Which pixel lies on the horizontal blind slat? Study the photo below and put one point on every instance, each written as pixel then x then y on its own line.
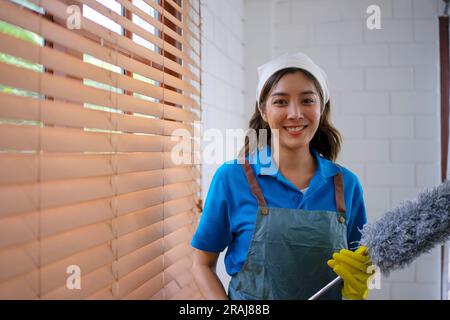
pixel 22 168
pixel 73 90
pixel 140 276
pixel 61 35
pixel 91 283
pixel 59 10
pixel 171 18
pixel 148 289
pixel 132 27
pixel 54 194
pixel 157 24
pixel 59 61
pixel 54 139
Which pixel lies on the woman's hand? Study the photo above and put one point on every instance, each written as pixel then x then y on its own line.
pixel 352 266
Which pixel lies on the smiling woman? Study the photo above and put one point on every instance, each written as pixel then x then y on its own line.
pixel 280 227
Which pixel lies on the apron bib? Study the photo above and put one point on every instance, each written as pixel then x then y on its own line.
pixel 287 258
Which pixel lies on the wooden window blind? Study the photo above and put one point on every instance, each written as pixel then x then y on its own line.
pixel 87 125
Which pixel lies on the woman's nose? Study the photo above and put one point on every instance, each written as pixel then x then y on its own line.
pixel 294 111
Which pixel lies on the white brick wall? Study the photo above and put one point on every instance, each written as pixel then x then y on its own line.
pixel 385 98
pixel 223 99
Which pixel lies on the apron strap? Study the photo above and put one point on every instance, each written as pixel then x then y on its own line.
pixel 339 192
pixel 254 187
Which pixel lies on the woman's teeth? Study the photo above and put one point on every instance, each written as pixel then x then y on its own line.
pixel 295 129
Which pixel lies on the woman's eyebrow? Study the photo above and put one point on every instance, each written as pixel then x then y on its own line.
pixel 287 94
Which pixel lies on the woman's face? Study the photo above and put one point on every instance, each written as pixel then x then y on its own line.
pixel 293 107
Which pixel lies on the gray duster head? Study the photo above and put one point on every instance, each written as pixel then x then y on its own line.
pixel 412 228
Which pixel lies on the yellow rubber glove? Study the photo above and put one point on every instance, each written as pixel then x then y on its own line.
pixel 352 266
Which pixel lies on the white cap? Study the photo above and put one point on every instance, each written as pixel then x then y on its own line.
pixel 292 60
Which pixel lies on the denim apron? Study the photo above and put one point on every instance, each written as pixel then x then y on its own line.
pixel 287 259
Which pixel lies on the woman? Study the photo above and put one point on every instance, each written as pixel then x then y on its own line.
pixel 281 226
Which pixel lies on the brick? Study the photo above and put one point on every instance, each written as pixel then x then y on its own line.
pixel 350 126
pixel 426 30
pixel 221 37
pixel 433 255
pixel 207 57
pixel 214 6
pixel 375 214
pixel 282 12
pixel 317 11
pixel 292 36
pixel 365 103
pixel 414 103
pixel 222 70
pixel 389 78
pixel 233 49
pixel 257 22
pixel 278 51
pixel 208 24
pixel 402 9
pixel 338 33
pixel 236 25
pixel 350 80
pixel 324 58
pixel 226 13
pixel 414 150
pixel 223 98
pixel 427 126
pixel 403 275
pixel 389 126
pixel 377 197
pixel 237 77
pixel 335 104
pixel 365 55
pixel 399 194
pixel 237 7
pixel 427 175
pixel 413 54
pixel 384 293
pixel 358 170
pixel 428 271
pixel 357 9
pixel 426 78
pixel 425 9
pixel 209 89
pixel 365 150
pixel 391 31
pixel 212 116
pixel 415 291
pixel 390 174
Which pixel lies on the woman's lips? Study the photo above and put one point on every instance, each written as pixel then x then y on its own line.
pixel 295 130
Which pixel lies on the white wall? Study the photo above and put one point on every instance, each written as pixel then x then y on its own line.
pixel 223 78
pixel 385 95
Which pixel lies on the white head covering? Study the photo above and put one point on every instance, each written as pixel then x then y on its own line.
pixel 292 60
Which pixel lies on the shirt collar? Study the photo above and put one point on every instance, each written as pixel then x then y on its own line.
pixel 264 164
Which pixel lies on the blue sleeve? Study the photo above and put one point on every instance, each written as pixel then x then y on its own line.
pixel 213 231
pixel 358 217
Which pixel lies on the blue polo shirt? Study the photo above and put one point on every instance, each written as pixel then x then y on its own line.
pixel 229 213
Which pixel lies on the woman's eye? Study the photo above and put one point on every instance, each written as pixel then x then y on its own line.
pixel 308 101
pixel 280 102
